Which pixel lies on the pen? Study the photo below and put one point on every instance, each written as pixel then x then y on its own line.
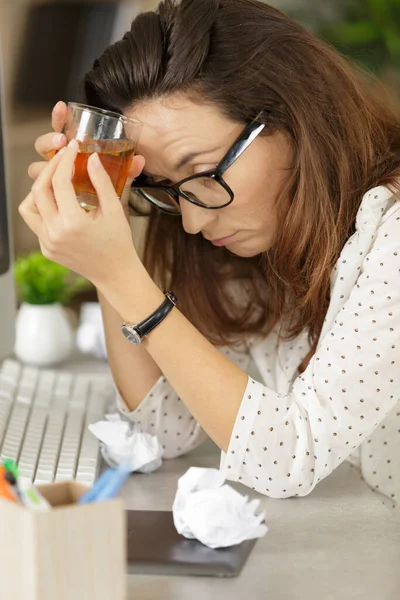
pixel 108 484
pixel 22 489
pixel 11 466
pixel 9 477
pixel 30 496
pixel 6 490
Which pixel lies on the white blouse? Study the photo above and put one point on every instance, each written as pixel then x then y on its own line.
pixel 292 429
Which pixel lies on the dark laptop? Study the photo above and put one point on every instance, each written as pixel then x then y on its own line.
pixel 155 547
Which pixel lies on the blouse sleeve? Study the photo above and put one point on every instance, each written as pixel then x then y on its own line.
pixel 283 445
pixel 162 413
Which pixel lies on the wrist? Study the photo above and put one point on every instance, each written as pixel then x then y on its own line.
pixel 133 294
pixel 136 333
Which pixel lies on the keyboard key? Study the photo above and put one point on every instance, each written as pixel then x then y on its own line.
pixel 32 442
pixel 15 432
pixel 70 446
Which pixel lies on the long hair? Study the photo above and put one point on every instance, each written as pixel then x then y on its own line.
pixel 245 56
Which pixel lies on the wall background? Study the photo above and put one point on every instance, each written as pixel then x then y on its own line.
pixel 24 125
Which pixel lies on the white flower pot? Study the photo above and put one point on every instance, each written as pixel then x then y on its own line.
pixel 44 334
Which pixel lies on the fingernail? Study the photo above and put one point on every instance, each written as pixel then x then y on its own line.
pixel 58 105
pixel 72 143
pixel 57 139
pixel 62 150
pixel 95 160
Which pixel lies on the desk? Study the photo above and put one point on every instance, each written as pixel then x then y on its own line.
pixel 338 543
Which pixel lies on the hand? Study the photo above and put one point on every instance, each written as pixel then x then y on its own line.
pixel 48 144
pixel 96 244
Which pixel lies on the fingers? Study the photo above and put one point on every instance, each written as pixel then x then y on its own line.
pixel 102 184
pixel 46 145
pixel 42 190
pixel 136 167
pixel 60 178
pixel 35 169
pixel 28 211
pixel 59 116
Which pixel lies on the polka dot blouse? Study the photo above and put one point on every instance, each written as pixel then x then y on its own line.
pixel 292 430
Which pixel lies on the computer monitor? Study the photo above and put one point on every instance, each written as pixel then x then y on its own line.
pixel 7 294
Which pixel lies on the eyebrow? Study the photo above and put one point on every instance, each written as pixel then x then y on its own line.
pixel 187 158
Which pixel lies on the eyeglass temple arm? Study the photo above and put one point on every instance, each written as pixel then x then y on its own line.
pixel 240 145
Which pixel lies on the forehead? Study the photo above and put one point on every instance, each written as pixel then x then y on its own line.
pixel 169 121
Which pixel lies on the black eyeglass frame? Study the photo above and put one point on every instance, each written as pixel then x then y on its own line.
pixel 248 135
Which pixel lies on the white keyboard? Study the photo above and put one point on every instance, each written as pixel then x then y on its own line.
pixel 44 418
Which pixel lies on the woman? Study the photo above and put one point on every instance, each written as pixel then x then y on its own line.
pixel 285 251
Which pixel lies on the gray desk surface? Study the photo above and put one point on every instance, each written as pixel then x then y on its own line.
pixel 338 543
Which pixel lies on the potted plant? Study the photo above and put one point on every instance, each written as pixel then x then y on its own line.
pixel 44 334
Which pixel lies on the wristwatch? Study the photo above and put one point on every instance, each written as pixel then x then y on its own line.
pixel 136 333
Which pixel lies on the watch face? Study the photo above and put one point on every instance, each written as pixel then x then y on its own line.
pixel 131 335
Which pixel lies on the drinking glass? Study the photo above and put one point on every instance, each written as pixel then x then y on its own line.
pixel 113 136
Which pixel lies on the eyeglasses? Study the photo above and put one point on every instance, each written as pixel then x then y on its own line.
pixel 207 189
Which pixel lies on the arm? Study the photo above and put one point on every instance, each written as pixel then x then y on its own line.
pixel 124 359
pixel 209 384
pixel 288 443
pixel 144 395
pixel 99 246
pixel 134 371
pixel 163 413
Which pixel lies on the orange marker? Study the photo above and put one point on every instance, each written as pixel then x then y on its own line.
pixel 6 491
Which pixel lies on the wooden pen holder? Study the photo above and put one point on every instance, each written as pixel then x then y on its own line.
pixel 72 552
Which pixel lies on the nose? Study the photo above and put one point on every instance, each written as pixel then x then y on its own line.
pixel 196 218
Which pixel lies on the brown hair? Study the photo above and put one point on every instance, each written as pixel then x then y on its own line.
pixel 245 56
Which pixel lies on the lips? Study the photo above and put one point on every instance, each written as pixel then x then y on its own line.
pixel 223 241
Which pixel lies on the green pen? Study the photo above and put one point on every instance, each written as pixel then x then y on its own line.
pixel 11 466
pixel 27 494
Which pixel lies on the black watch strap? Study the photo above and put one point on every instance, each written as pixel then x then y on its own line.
pixel 157 316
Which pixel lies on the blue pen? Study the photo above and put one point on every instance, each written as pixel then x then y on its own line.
pixel 101 481
pixel 108 484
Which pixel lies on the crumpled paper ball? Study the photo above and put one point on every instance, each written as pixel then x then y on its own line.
pixel 213 513
pixel 121 439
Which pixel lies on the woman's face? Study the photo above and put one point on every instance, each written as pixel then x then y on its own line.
pixel 175 128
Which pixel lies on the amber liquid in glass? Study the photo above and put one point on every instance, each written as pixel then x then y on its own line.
pixel 116 158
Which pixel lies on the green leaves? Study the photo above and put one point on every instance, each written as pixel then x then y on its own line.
pixel 366 30
pixel 41 281
pixel 361 32
pixel 392 40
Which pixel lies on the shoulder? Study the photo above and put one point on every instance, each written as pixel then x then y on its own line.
pixel 388 230
pixel 377 206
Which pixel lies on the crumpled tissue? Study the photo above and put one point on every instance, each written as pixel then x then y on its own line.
pixel 121 439
pixel 215 514
pixel 90 336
